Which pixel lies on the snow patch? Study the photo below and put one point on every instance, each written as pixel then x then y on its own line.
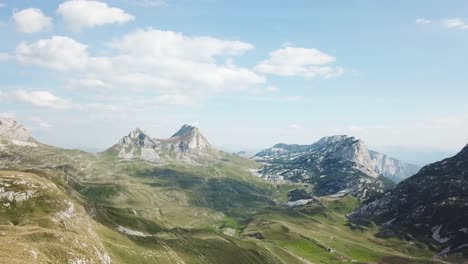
pixel 299 202
pixel 340 194
pixel 23 143
pixel 436 236
pixel 131 232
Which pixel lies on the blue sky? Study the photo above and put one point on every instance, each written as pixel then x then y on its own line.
pixel 83 73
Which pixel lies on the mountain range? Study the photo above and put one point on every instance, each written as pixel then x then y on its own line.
pixel 180 200
pixel 333 164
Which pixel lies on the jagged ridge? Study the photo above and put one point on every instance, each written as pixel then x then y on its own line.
pixel 332 164
pixel 430 206
pixel 186 144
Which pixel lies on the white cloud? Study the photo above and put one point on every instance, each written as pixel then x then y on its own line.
pixel 42 99
pixel 294 126
pixel 456 23
pixel 290 61
pixel 423 21
pixel 86 83
pixel 8 115
pixel 58 53
pixel 163 62
pixel 2 5
pixel 4 56
pixel 31 20
pixel 155 43
pixel 176 99
pixel 272 88
pixel 80 14
pixel 263 90
pixel 38 122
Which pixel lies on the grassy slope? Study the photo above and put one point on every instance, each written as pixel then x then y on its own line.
pixel 39 223
pixel 205 214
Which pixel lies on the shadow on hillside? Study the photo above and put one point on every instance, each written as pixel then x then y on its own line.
pixel 230 196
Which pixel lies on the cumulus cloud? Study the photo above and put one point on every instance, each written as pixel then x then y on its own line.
pixel 58 53
pixel 176 100
pixel 165 62
pixel 291 61
pixel 159 43
pixel 31 20
pixel 43 99
pixel 80 14
pixel 2 5
pixel 455 23
pixel 423 21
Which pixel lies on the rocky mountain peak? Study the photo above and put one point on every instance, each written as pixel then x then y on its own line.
pixel 138 134
pixel 334 139
pixel 186 130
pixel 185 145
pixel 190 139
pixel 10 129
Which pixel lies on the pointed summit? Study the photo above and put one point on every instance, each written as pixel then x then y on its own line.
pixel 190 139
pixel 138 133
pixel 185 130
pixel 187 144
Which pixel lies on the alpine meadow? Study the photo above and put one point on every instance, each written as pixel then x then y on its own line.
pixel 243 132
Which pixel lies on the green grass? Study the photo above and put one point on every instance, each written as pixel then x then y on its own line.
pixel 194 214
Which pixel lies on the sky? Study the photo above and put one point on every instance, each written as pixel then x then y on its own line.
pixel 249 74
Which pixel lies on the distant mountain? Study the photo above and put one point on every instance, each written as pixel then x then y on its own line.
pixel 186 144
pixel 10 129
pixel 392 168
pixel 69 206
pixel 12 133
pixel 431 205
pixel 333 164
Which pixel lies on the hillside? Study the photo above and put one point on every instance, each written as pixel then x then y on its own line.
pixel 136 211
pixel 430 206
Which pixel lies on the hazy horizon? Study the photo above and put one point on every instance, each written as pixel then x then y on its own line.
pixel 250 75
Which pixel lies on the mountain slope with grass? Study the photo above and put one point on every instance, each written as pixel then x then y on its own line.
pixel 139 211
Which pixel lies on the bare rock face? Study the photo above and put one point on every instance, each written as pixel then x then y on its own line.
pixel 391 168
pixel 189 139
pixel 10 129
pixel 185 145
pixel 333 164
pixel 429 206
